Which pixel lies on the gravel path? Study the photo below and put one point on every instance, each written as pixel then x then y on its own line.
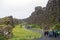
pixel 45 37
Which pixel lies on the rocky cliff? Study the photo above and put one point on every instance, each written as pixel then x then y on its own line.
pixel 46 16
pixel 6 26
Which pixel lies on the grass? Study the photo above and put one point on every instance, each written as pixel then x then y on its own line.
pixel 24 34
pixel 56 26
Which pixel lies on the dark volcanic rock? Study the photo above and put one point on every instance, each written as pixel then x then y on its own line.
pixel 46 16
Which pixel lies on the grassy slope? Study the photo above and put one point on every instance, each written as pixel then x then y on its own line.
pixel 24 34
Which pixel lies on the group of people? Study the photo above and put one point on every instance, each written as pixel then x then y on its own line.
pixel 46 33
pixel 51 33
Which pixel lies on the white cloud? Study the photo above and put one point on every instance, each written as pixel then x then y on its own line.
pixel 19 8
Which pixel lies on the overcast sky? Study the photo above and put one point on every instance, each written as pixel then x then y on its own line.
pixel 19 8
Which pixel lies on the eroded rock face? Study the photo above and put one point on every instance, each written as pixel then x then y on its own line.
pixel 46 16
pixel 53 10
pixel 38 17
pixel 6 26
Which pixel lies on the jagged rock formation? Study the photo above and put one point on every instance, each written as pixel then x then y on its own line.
pixel 7 20
pixel 6 26
pixel 53 10
pixel 36 16
pixel 39 17
pixel 46 16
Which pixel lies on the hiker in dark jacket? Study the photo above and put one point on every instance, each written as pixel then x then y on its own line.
pixel 46 33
